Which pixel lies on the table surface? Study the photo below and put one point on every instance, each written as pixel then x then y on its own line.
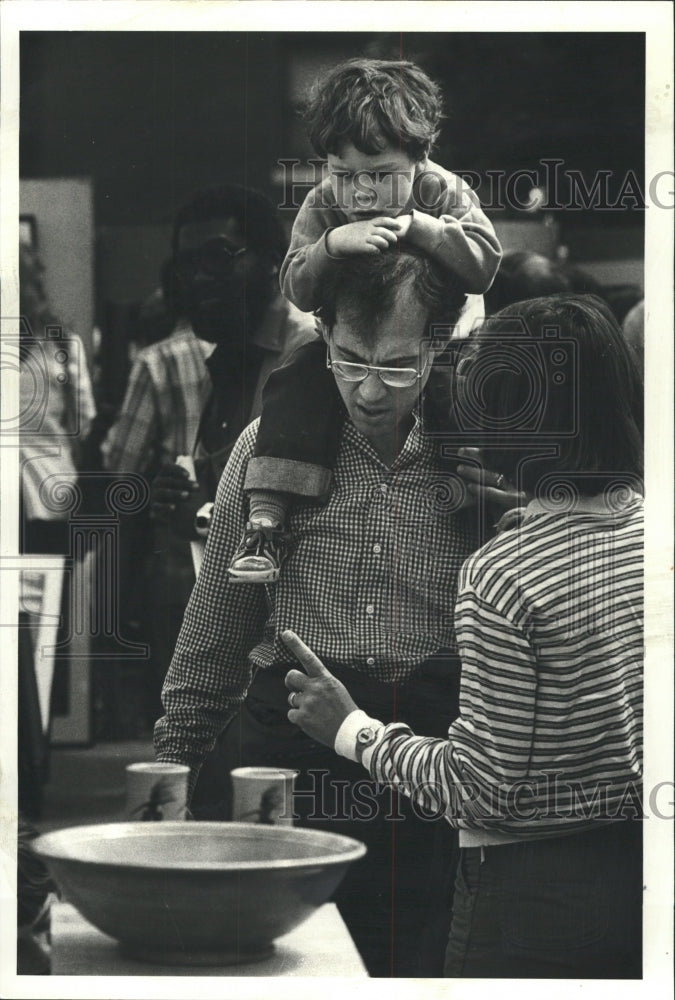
pixel 321 946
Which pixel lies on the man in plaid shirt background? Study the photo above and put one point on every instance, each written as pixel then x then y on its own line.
pixel 195 391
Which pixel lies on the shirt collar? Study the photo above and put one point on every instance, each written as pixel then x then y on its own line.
pixel 418 445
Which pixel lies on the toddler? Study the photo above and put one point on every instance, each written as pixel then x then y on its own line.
pixel 375 122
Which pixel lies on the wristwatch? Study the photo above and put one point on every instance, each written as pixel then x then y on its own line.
pixel 364 739
pixel 203 520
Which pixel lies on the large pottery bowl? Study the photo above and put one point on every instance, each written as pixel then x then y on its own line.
pixel 196 893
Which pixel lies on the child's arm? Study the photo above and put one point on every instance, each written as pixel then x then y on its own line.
pixel 461 237
pixel 320 237
pixel 307 259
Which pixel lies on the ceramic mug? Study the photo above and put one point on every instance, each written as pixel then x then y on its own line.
pixel 156 791
pixel 263 795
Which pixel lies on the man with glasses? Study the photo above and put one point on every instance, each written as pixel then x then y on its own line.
pixel 370 584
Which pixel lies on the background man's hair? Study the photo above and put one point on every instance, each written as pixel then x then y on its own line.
pixel 257 217
pixel 600 392
pixel 524 275
pixel 365 288
pixel 369 102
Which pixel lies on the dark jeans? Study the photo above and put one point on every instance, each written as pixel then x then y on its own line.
pixel 565 908
pixel 396 901
pixel 301 423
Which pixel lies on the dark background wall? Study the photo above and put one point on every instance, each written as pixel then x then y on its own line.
pixel 151 115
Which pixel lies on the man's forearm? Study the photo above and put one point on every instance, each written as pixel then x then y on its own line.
pixel 210 671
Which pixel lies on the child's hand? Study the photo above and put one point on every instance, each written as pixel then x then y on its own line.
pixel 403 223
pixel 369 236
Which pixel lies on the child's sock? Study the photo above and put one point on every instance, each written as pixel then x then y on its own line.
pixel 268 508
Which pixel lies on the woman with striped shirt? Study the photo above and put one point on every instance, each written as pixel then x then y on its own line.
pixel 542 770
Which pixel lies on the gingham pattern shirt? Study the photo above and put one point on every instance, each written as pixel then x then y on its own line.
pixel 370 582
pixel 550 628
pixel 159 418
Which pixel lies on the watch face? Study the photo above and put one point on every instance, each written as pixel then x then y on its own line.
pixel 365 737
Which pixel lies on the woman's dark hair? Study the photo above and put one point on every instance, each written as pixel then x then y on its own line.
pixel 557 371
pixel 372 101
pixel 257 217
pixel 365 288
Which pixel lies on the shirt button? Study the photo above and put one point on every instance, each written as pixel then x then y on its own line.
pixel 384 487
pixel 370 609
pixel 377 549
pixel 371 661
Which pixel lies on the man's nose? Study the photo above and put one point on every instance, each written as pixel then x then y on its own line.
pixel 372 388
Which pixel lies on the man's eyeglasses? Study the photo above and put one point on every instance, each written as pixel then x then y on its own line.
pixel 395 378
pixel 213 259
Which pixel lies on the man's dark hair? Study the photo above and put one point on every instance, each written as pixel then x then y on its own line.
pixel 257 217
pixel 369 102
pixel 594 388
pixel 365 288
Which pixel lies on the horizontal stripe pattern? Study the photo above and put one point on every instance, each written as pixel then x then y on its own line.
pixel 549 621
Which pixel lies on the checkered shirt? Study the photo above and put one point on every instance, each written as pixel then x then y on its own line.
pixel 370 581
pixel 158 420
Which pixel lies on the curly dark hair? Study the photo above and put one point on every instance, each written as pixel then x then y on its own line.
pixel 365 287
pixel 370 102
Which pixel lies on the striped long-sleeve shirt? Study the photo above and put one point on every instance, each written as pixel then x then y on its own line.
pixel 549 628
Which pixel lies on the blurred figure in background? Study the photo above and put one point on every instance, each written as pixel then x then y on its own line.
pixel 167 388
pixel 57 407
pixel 159 417
pixel 228 245
pixel 621 299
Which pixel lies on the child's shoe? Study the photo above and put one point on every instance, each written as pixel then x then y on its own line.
pixel 259 555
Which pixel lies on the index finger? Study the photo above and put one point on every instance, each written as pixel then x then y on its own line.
pixel 303 654
pixel 473 453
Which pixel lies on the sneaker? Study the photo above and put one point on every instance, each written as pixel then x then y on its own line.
pixel 259 556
